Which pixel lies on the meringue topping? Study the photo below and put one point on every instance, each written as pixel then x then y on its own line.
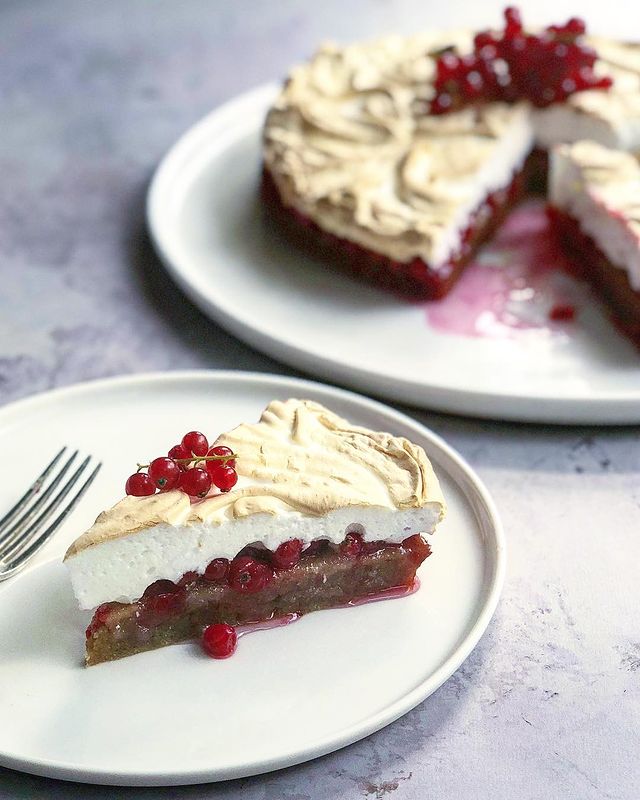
pixel 300 457
pixel 350 144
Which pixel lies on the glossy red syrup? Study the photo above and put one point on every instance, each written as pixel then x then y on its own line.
pixel 279 622
pixel 513 284
pixel 267 624
pixel 387 594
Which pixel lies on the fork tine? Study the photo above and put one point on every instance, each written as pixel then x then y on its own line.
pixel 33 489
pixel 30 549
pixel 24 536
pixel 12 533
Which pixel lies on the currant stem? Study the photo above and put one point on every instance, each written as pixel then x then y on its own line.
pixel 196 460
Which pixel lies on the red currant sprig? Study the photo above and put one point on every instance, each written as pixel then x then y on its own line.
pixel 190 466
pixel 510 65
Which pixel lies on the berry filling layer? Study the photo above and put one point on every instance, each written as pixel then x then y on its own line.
pixel 257 586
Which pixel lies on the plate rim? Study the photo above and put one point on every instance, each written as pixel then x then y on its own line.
pixel 494 548
pixel 610 407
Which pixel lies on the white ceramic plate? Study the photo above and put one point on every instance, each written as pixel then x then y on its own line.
pixel 204 217
pixel 174 716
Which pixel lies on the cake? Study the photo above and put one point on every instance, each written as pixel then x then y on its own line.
pixel 594 206
pixel 397 158
pixel 323 514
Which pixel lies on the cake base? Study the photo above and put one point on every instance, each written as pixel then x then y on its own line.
pixel 415 279
pixel 324 579
pixel 611 283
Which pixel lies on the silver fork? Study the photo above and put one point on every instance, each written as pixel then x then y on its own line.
pixel 22 529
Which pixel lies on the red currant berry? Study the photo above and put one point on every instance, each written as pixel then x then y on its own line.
pixel 487 54
pixel 165 473
pixel 159 587
pixel 140 485
pixel 447 67
pixel 219 640
pixel 162 605
pixel 188 578
pixel 99 618
pixel 352 545
pixel 221 450
pixel 315 548
pixel 473 84
pixel 513 21
pixel 560 51
pixel 585 54
pixel 217 570
pixel 575 26
pixel 287 554
pixel 484 39
pixel 195 443
pixel 178 451
pixel 225 478
pixel 195 482
pixel 417 547
pixel 248 575
pixel 442 103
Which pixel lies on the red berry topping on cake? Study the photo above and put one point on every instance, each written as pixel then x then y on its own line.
pixel 179 453
pixel 219 640
pixel 223 452
pixel 513 22
pixel 248 575
pixel 217 570
pixel 352 545
pixel 195 482
pixel 225 478
pixel 511 65
pixel 195 443
pixel 140 485
pixel 287 554
pixel 165 473
pixel 190 466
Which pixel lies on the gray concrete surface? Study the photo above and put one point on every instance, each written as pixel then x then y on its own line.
pixel 91 96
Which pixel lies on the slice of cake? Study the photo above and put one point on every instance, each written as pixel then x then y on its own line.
pixel 324 514
pixel 594 197
pixel 396 158
pixel 357 168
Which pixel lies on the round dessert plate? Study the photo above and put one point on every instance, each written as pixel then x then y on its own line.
pixel 206 221
pixel 174 716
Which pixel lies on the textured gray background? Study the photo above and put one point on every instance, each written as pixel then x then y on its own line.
pixel 91 95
